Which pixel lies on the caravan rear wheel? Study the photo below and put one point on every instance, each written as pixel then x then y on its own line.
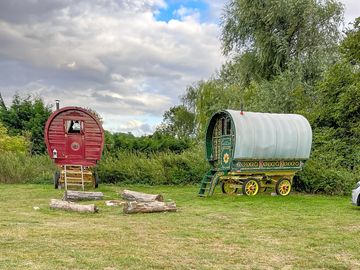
pixel 251 187
pixel 283 187
pixel 228 188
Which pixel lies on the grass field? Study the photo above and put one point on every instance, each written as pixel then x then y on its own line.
pixel 221 232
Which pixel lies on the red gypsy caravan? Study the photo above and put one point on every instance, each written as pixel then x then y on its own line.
pixel 74 139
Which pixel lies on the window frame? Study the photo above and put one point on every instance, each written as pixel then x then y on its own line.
pixel 82 127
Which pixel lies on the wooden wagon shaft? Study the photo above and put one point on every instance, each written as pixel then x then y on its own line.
pixel 82 195
pixel 69 206
pixel 149 207
pixel 130 195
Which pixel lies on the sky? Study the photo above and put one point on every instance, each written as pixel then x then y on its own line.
pixel 130 60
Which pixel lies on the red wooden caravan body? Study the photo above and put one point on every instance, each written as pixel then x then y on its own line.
pixel 74 136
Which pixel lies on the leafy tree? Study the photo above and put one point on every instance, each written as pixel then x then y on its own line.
pixel 338 105
pixel 179 122
pixel 350 47
pixel 16 144
pixel 270 35
pixel 27 116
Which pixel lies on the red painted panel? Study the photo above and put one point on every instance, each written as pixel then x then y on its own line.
pixel 83 148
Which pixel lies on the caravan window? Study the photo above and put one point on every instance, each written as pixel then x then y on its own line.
pixel 74 126
pixel 228 126
pixel 223 126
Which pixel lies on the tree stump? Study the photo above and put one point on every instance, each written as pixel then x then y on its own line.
pixel 71 195
pixel 130 195
pixel 133 207
pixel 69 206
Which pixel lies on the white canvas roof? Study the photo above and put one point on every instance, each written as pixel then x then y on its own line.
pixel 271 136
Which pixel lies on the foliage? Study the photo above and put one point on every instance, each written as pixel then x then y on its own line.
pixel 350 47
pixel 208 97
pixel 153 168
pixel 18 167
pixel 158 142
pixel 326 171
pixel 26 116
pixel 276 33
pixel 178 122
pixel 8 143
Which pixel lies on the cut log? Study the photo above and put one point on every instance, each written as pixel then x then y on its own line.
pixel 70 206
pixel 115 203
pixel 130 195
pixel 149 207
pixel 71 195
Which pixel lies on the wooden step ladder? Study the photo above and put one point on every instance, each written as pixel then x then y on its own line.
pixel 208 184
pixel 72 178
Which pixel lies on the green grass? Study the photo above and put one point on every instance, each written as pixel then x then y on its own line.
pixel 221 232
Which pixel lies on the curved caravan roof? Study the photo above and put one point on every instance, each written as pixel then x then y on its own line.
pixel 270 135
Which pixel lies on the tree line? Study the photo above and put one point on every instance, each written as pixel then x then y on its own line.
pixel 289 56
pixel 284 56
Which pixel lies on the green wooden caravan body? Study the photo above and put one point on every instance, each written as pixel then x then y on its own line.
pixel 251 152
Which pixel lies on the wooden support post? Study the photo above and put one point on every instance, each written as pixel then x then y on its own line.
pixel 130 195
pixel 133 207
pixel 69 206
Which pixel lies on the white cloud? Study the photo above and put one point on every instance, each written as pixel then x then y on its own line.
pixel 187 14
pixel 112 56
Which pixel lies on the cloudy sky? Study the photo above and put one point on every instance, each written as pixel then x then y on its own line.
pixel 130 60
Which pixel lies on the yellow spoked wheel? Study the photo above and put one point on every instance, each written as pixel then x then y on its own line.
pixel 228 188
pixel 283 187
pixel 251 187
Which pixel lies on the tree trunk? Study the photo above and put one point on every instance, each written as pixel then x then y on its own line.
pixel 69 206
pixel 71 195
pixel 141 197
pixel 149 207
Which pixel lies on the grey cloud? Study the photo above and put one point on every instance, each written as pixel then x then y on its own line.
pixel 110 55
pixel 20 11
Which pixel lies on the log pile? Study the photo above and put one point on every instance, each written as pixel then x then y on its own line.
pixel 138 202
pixel 70 206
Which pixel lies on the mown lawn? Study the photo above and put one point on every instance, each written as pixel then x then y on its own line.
pixel 221 232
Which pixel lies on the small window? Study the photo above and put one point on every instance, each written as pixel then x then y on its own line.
pixel 228 126
pixel 223 126
pixel 73 126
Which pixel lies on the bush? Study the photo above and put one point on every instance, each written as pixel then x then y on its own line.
pixel 22 168
pixel 328 170
pixel 153 169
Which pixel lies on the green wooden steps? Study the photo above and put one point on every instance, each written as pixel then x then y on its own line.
pixel 208 184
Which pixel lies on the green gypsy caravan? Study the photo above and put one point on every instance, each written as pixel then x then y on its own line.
pixel 251 152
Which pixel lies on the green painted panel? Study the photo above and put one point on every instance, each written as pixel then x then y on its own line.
pixel 246 165
pixel 226 158
pixel 226 141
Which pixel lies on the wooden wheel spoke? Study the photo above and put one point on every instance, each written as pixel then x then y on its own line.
pixel 283 187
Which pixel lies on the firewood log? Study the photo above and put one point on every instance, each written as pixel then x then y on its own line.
pixel 71 195
pixel 130 195
pixel 132 207
pixel 70 206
